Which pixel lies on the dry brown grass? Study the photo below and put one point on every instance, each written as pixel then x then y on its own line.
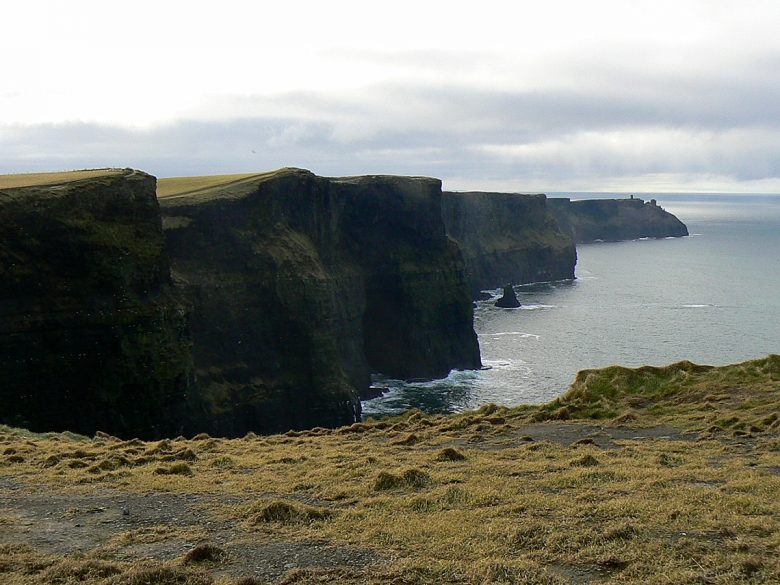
pixel 38 179
pixel 178 186
pixel 471 500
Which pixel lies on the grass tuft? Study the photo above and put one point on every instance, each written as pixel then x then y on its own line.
pixel 410 478
pixel 77 571
pixel 179 468
pixel 169 575
pixel 205 553
pixel 585 461
pixel 282 512
pixel 408 440
pixel 450 454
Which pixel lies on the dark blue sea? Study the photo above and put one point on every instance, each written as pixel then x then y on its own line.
pixel 711 298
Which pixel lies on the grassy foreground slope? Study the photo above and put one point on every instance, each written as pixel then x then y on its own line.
pixel 651 475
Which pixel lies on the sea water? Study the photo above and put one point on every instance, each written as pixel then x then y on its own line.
pixel 712 298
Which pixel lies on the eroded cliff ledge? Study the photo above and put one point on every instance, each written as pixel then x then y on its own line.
pixel 302 285
pixel 613 220
pixel 507 237
pixel 92 335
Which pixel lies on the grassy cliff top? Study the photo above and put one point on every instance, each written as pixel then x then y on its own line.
pixel 209 186
pixel 40 179
pixel 181 186
pixel 671 475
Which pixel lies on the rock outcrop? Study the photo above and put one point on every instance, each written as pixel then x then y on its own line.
pixel 509 299
pixel 92 335
pixel 613 220
pixel 302 285
pixel 508 237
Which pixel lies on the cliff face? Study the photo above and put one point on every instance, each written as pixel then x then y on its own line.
pixel 92 336
pixel 302 285
pixel 613 220
pixel 418 319
pixel 508 238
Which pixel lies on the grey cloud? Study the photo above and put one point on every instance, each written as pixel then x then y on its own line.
pixel 625 125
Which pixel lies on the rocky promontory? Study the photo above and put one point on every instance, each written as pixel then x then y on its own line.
pixel 508 237
pixel 613 220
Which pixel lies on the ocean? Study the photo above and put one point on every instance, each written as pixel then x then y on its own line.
pixel 711 298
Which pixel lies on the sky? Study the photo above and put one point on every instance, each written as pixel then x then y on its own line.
pixel 560 95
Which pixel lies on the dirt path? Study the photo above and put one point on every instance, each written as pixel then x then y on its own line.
pixel 126 526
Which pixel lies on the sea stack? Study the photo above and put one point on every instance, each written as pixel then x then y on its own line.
pixel 509 299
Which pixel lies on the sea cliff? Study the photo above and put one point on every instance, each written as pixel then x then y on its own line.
pixel 613 220
pixel 301 286
pixel 252 303
pixel 92 334
pixel 508 238
pixel 259 302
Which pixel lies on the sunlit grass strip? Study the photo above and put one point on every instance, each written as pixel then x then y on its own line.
pixel 39 179
pixel 176 186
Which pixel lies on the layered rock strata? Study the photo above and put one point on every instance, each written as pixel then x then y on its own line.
pixel 507 237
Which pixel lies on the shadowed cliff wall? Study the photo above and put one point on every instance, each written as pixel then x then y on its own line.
pixel 92 336
pixel 508 237
pixel 302 285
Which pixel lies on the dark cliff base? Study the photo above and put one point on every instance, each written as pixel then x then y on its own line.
pixel 612 220
pixel 302 285
pixel 92 336
pixel 508 238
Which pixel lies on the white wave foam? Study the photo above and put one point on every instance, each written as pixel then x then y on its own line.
pixel 513 333
pixel 694 306
pixel 504 364
pixel 535 307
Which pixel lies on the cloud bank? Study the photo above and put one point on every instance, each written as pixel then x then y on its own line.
pixel 695 106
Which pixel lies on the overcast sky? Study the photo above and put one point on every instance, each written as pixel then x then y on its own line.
pixel 539 95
